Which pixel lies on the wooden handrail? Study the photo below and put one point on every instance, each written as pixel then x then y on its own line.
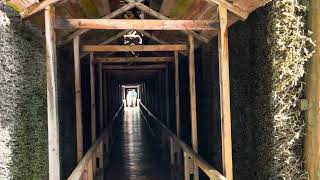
pixel 81 167
pixel 198 160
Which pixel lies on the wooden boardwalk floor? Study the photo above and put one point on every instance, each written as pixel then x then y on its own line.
pixel 135 154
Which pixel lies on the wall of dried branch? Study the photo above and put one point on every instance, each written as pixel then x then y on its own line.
pixel 268 53
pixel 23 117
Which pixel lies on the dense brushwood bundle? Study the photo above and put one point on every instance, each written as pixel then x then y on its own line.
pixel 280 124
pixel 23 128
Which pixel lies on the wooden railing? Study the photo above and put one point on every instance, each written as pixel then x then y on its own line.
pixel 84 169
pixel 191 158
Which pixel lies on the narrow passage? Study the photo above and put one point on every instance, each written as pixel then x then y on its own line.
pixel 135 154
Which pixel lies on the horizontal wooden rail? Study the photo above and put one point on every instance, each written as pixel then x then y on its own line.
pixel 148 24
pixel 126 67
pixel 129 48
pixel 132 59
pixel 88 157
pixel 198 160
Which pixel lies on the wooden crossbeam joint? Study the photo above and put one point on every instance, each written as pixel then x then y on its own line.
pixel 231 7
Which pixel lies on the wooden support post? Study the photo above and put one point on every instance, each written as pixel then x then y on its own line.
pixel 52 96
pixel 78 97
pixel 177 91
pixel 193 101
pixel 107 109
pixel 312 139
pixel 177 94
pixel 101 106
pixel 93 109
pixel 186 166
pixel 172 152
pixel 225 94
pixel 90 171
pixel 167 98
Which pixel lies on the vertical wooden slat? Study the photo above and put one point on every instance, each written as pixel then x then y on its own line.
pixel 107 109
pixel 93 100
pixel 101 104
pixel 102 113
pixel 177 94
pixel 52 93
pixel 193 101
pixel 77 71
pixel 225 94
pixel 172 152
pixel 93 108
pixel 186 166
pixel 90 169
pixel 167 97
pixel 177 91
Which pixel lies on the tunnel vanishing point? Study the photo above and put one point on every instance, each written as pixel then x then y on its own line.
pixel 160 89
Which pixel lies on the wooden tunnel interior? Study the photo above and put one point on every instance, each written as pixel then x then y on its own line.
pixel 185 60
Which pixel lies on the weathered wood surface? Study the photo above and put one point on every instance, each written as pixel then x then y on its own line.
pixel 312 140
pixel 177 91
pixel 128 48
pixel 108 41
pixel 158 15
pixel 113 14
pixel 52 96
pixel 231 7
pixel 193 101
pixel 156 39
pixel 133 59
pixel 78 98
pixel 93 108
pixel 37 8
pixel 225 94
pixel 133 24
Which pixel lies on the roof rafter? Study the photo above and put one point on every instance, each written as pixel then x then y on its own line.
pixel 113 14
pixel 109 40
pixel 231 7
pixel 158 15
pixel 35 8
pixel 156 39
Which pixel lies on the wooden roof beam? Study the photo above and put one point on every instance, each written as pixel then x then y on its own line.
pixel 113 14
pixel 158 15
pixel 35 8
pixel 129 48
pixel 133 60
pixel 231 7
pixel 134 24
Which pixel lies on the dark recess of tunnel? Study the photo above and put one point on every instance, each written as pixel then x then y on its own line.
pixel 243 70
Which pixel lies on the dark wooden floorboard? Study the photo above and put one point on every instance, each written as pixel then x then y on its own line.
pixel 135 154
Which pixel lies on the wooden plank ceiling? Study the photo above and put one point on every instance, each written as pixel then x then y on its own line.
pixel 174 9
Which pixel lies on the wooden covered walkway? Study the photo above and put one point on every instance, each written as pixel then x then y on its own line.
pixel 170 31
